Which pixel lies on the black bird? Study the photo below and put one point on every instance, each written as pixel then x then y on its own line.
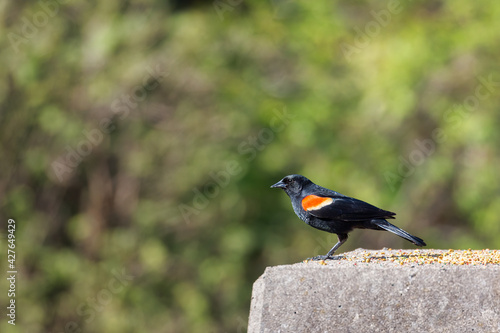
pixel 333 212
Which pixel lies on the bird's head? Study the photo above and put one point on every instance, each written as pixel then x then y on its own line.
pixel 292 184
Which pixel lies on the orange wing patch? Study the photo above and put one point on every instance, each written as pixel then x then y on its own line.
pixel 313 202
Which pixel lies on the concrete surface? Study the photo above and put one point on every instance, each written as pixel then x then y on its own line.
pixel 346 296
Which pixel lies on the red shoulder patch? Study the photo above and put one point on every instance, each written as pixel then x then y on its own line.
pixel 313 202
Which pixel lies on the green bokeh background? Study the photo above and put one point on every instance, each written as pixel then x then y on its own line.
pixel 139 139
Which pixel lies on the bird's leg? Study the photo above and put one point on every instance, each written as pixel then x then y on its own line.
pixel 342 238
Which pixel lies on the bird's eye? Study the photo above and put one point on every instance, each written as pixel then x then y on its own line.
pixel 286 180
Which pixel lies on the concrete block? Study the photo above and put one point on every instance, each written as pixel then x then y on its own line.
pixel 354 296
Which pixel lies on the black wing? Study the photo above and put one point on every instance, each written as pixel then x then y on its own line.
pixel 343 208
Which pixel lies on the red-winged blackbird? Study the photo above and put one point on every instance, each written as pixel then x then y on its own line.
pixel 331 211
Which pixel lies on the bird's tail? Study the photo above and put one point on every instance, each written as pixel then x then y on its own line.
pixel 400 232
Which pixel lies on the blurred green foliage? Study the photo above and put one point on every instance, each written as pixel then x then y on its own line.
pixel 139 140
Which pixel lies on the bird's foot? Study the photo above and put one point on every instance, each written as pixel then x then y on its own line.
pixel 324 257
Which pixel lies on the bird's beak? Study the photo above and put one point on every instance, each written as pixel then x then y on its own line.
pixel 279 184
